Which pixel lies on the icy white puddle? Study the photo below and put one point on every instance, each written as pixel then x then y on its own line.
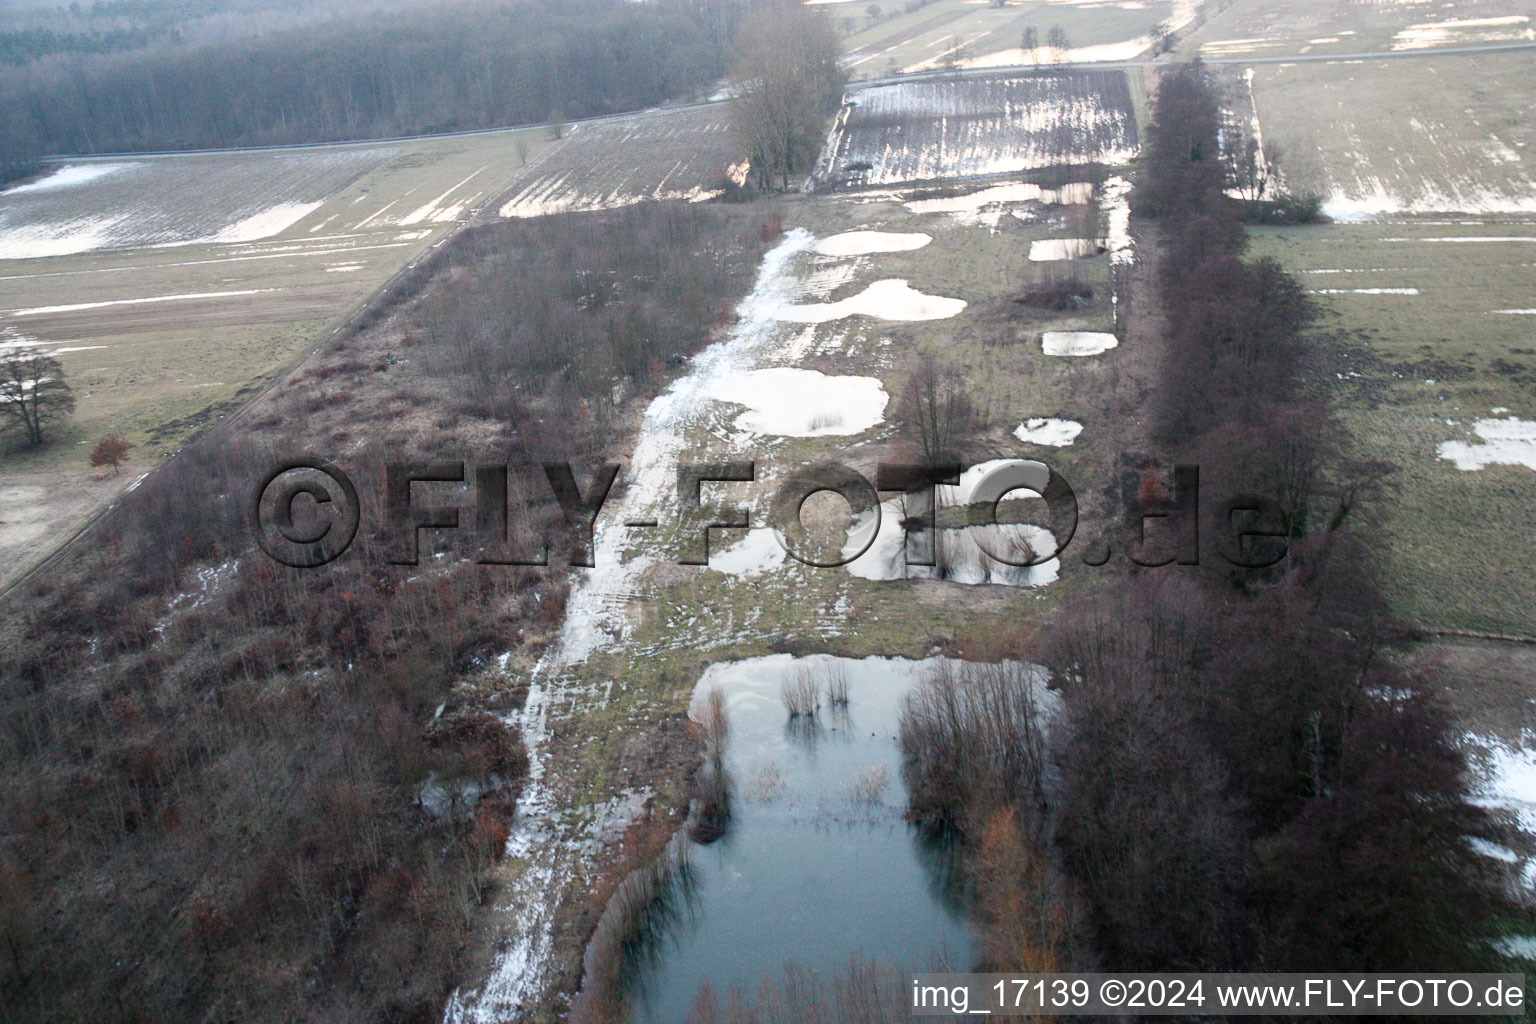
pixel 1076 343
pixel 985 206
pixel 866 243
pixel 1054 433
pixel 792 402
pixel 891 299
pixel 961 554
pixel 1047 249
pixel 1506 442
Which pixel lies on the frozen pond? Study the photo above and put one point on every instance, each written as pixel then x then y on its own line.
pixel 817 864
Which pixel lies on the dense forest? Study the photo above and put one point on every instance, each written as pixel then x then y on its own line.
pixel 395 72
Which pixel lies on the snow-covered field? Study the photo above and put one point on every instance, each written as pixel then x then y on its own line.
pixel 128 203
pixel 934 129
pixel 686 153
pixel 1386 138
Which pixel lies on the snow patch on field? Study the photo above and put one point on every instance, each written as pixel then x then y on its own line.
pixel 195 199
pixel 435 211
pixel 756 554
pixel 1050 249
pixel 984 207
pixel 939 129
pixel 1365 291
pixel 272 221
pixel 1076 343
pixel 865 243
pixel 1508 776
pixel 891 299
pixel 1051 432
pixel 77 306
pixel 1462 32
pixel 1505 442
pixel 68 176
pixel 1368 197
pixel 65 238
pixel 1126 49
pixel 791 402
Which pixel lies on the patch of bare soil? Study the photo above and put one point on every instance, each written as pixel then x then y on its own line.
pixel 39 510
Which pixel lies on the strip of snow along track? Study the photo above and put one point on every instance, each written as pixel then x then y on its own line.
pixel 547 842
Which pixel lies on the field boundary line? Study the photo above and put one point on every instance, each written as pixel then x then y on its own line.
pixel 1472 634
pixel 348 325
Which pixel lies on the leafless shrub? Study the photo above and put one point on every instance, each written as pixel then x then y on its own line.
pixel 870 784
pixel 712 807
pixel 974 739
pixel 801 692
pixel 835 684
pixel 826 418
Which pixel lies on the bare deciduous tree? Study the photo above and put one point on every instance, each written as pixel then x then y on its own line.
pixel 33 393
pixel 935 412
pixel 786 81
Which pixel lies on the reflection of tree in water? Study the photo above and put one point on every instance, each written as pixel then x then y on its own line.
pixel 941 852
pixel 669 914
pixel 805 732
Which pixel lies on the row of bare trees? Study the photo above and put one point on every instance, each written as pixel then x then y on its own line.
pixel 1234 770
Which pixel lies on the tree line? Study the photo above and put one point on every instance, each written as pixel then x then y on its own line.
pixel 786 80
pixel 395 73
pixel 1239 771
